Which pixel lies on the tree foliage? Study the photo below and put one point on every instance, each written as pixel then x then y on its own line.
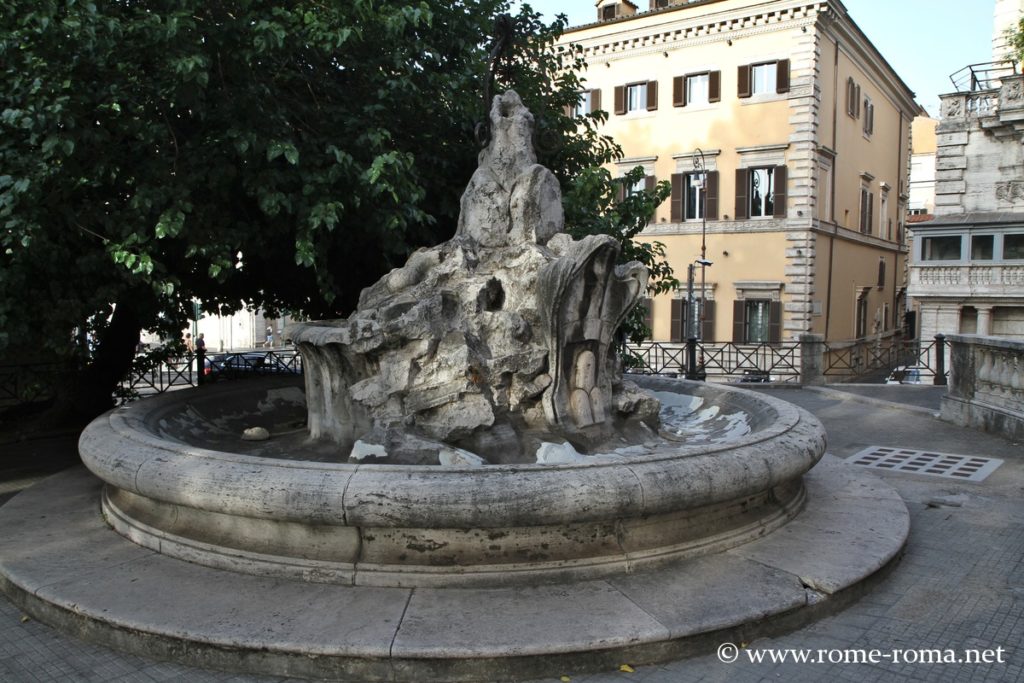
pixel 284 155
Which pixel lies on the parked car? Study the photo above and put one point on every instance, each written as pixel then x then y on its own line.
pixel 752 375
pixel 909 374
pixel 251 362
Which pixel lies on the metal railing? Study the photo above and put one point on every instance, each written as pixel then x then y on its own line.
pixel 840 361
pixel 982 76
pixel 724 361
pixel 29 382
pixel 184 371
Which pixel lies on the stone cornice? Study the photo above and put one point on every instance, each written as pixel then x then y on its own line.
pixel 669 28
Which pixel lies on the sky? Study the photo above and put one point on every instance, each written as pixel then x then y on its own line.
pixel 923 40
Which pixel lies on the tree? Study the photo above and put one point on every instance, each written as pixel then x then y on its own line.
pixel 284 155
pixel 1015 41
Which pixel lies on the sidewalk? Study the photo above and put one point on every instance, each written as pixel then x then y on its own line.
pixel 960 584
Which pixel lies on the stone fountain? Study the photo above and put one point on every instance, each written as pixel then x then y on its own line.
pixel 465 487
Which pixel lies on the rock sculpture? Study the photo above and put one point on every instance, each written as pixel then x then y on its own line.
pixel 493 342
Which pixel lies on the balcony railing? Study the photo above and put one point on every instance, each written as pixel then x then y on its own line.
pixel 986 390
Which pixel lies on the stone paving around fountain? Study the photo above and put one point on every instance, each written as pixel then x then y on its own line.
pixel 960 584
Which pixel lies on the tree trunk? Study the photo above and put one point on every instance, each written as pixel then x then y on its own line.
pixel 91 391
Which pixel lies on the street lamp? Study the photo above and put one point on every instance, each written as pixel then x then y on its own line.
pixel 700 168
pixel 691 317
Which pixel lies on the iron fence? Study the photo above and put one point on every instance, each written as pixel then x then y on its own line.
pixel 729 361
pixel 840 361
pixel 29 382
pixel 184 371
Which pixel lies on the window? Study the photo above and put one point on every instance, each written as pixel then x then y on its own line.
pixel 696 89
pixel 869 117
pixel 636 97
pixel 916 212
pixel 883 212
pixel 590 101
pixel 944 248
pixel 852 98
pixel 688 202
pixel 757 321
pixel 867 200
pixel 645 183
pixel 658 4
pixel 862 316
pixel 693 199
pixel 761 192
pixel 1013 246
pixel 982 247
pixel 607 12
pixel 763 78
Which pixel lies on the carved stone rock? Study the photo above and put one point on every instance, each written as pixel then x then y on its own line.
pixel 494 341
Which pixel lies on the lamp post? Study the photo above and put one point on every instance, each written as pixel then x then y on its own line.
pixel 694 317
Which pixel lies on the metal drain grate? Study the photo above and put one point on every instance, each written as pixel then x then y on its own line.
pixel 962 467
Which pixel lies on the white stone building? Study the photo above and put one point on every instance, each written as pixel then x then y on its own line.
pixel 967 264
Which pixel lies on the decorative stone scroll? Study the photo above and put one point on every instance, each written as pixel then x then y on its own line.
pixel 493 342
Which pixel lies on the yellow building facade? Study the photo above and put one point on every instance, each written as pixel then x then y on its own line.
pixel 803 133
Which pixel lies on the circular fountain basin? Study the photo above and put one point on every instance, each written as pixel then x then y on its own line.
pixel 180 480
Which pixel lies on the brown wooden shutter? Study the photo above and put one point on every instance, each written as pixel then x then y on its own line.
pixel 652 95
pixel 649 183
pixel 707 328
pixel 595 100
pixel 620 190
pixel 714 86
pixel 711 196
pixel 774 321
pixel 648 305
pixel 678 319
pixel 871 211
pixel 742 206
pixel 871 119
pixel 782 76
pixel 679 91
pixel 779 207
pixel 863 209
pixel 849 95
pixel 676 202
pixel 743 80
pixel 881 273
pixel 739 324
pixel 567 110
pixel 620 99
pixel 856 103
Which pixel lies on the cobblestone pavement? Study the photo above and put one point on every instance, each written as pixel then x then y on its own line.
pixel 960 585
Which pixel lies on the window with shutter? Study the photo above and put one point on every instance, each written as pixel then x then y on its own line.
pixel 711 196
pixel 743 81
pixel 742 210
pixel 676 201
pixel 595 100
pixel 881 273
pixel 652 95
pixel 620 99
pixel 679 91
pixel 707 326
pixel 779 185
pixel 648 308
pixel 678 331
pixel 715 86
pixel 782 76
pixel 649 183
